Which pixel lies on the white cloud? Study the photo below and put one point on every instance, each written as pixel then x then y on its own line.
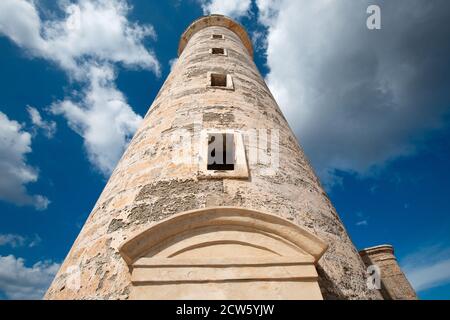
pixel 231 8
pixel 91 30
pixel 102 117
pixel 268 10
pixel 429 276
pixel 357 98
pixel 428 268
pixel 259 40
pixel 33 242
pixel 16 240
pixel 92 37
pixel 48 127
pixel 18 281
pixel 363 220
pixel 13 240
pixel 16 173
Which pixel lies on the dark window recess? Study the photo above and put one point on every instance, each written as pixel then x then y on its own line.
pixel 217 36
pixel 218 51
pixel 218 80
pixel 221 151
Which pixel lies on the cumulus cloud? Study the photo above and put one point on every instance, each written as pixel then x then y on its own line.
pixel 16 240
pixel 16 173
pixel 231 8
pixel 48 127
pixel 18 281
pixel 87 43
pixel 362 223
pixel 91 30
pixel 362 219
pixel 427 268
pixel 259 40
pixel 13 240
pixel 357 98
pixel 102 117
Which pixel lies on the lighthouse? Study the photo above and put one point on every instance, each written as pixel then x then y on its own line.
pixel 214 198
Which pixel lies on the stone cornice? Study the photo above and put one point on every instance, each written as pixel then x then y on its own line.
pixel 215 20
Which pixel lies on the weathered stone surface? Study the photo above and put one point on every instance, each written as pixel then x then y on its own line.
pixel 148 186
pixel 394 284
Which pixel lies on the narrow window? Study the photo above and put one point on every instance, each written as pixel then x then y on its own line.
pixel 217 36
pixel 221 151
pixel 218 51
pixel 218 80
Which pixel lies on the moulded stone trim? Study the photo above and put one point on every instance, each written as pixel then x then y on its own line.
pixel 218 262
pixel 233 273
pixel 215 20
pixel 152 237
pixel 224 253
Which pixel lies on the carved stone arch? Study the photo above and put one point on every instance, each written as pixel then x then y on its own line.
pixel 224 253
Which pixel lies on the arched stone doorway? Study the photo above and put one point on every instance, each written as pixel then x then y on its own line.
pixel 224 253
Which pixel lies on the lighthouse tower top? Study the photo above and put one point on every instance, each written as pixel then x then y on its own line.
pixel 219 21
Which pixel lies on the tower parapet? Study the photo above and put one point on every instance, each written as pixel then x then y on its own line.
pixel 216 20
pixel 394 284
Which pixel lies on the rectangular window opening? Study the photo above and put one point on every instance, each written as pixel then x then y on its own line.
pixel 217 36
pixel 221 151
pixel 218 51
pixel 218 80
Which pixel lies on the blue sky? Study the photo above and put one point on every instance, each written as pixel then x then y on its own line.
pixel 369 107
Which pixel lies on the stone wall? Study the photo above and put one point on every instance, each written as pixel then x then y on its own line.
pixel 394 284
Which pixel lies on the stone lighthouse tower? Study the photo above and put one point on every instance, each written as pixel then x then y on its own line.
pixel 214 197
